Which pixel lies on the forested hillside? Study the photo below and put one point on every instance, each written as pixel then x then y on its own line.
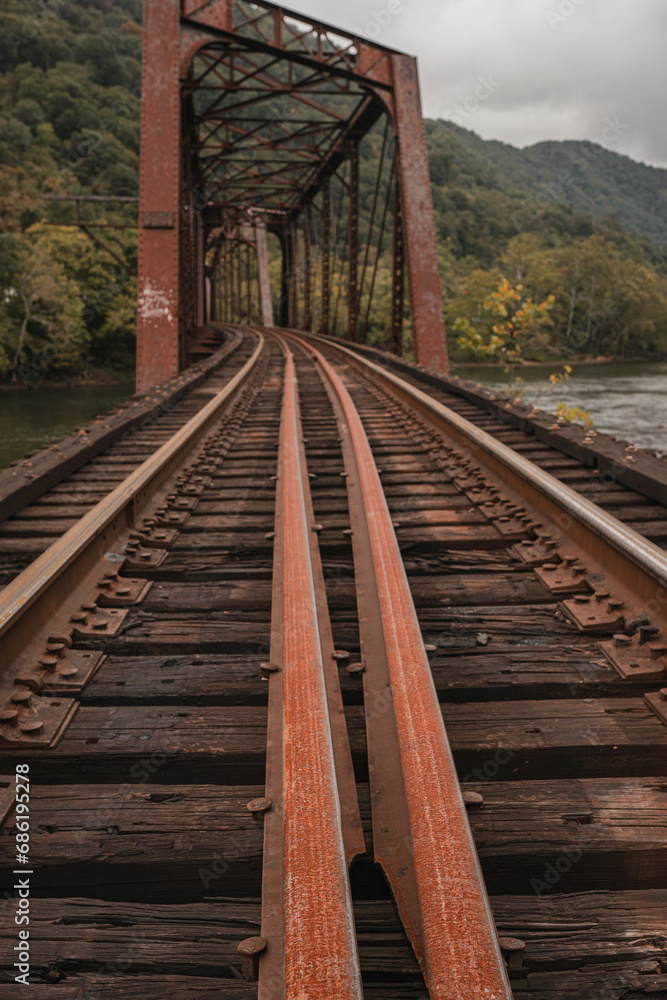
pixel 571 227
pixel 69 123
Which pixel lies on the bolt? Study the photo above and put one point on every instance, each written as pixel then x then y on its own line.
pixel 48 662
pixel 356 668
pixel 33 726
pixel 622 640
pixel 512 949
pixel 21 696
pixel 471 799
pixel 340 654
pixel 269 668
pixel 259 806
pixel 647 632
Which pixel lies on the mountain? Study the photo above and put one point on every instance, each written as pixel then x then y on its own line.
pixel 588 176
pixel 572 221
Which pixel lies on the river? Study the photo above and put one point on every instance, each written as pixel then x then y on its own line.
pixel 628 400
pixel 29 417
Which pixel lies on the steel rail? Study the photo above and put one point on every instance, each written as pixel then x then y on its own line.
pixel 115 512
pixel 313 913
pixel 457 941
pixel 638 566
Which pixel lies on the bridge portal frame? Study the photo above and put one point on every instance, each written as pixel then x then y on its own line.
pixel 171 293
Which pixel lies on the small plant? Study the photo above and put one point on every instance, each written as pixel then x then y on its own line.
pixel 515 322
pixel 556 378
pixel 574 415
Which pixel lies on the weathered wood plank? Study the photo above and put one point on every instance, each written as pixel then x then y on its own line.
pixel 560 671
pixel 429 591
pixel 606 935
pixel 147 841
pixel 573 738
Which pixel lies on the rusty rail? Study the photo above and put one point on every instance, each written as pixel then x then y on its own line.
pixel 618 559
pixel 312 826
pixel 35 608
pixel 437 882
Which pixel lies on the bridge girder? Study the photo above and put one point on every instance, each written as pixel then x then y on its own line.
pixel 251 111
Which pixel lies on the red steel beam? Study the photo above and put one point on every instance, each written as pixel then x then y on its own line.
pixel 456 938
pixel 428 321
pixel 159 271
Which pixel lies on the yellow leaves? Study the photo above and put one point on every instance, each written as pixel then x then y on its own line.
pixel 574 415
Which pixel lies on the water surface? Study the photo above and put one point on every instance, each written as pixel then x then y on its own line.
pixel 628 400
pixel 29 417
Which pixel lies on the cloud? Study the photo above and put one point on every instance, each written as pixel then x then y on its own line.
pixel 563 66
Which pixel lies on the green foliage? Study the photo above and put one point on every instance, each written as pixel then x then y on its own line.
pixel 573 229
pixel 574 415
pixel 69 123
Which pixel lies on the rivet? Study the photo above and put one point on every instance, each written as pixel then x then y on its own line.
pixel 259 805
pixel 356 668
pixel 430 648
pixel 21 695
pixel 340 654
pixel 31 727
pixel 471 799
pixel 513 949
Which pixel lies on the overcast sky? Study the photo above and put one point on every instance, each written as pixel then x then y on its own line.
pixel 554 69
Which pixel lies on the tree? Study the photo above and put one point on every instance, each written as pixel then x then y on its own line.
pixel 517 326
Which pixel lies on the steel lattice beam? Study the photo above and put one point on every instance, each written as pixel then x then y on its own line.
pixel 252 108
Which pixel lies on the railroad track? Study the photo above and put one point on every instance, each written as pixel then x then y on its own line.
pixel 228 681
